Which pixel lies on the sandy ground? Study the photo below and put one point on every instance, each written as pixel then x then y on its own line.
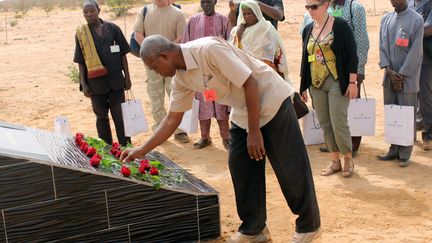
pixel 381 202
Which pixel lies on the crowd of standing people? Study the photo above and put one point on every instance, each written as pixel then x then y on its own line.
pixel 237 67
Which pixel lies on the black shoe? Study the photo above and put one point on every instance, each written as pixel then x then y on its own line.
pixel 324 150
pixel 387 157
pixel 404 162
pixel 181 138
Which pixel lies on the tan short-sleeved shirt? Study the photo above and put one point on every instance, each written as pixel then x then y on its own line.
pixel 213 62
pixel 168 21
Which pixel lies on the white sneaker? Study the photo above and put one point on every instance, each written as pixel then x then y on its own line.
pixel 238 237
pixel 306 237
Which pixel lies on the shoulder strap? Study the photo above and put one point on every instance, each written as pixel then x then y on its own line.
pixel 351 15
pixel 144 12
pixel 425 4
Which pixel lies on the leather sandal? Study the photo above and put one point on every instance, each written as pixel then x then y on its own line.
pixel 334 167
pixel 348 169
pixel 202 143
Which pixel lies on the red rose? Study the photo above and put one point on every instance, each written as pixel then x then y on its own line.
pixel 154 171
pixel 113 151
pixel 91 151
pixel 79 141
pixel 142 170
pixel 118 153
pixel 115 145
pixel 79 135
pixel 126 172
pixel 95 160
pixel 145 164
pixel 84 147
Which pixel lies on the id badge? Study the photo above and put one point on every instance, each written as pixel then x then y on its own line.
pixel 115 48
pixel 337 12
pixel 311 58
pixel 402 42
pixel 210 95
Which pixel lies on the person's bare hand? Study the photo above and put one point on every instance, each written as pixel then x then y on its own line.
pixel 130 154
pixel 255 145
pixel 232 6
pixel 397 85
pixel 86 90
pixel 304 96
pixel 396 79
pixel 352 91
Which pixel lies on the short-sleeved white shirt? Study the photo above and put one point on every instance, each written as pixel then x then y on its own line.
pixel 213 63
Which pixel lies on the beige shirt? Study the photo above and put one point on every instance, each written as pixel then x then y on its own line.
pixel 168 21
pixel 213 62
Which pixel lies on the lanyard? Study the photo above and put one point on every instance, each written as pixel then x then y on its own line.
pixel 206 79
pixel 316 40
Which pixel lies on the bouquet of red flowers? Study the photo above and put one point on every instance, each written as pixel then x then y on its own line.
pixel 106 157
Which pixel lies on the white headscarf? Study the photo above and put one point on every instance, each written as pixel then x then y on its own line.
pixel 261 40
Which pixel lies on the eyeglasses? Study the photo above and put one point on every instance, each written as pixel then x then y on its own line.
pixel 313 6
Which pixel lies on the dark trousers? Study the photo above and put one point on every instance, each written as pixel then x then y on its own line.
pixel 425 97
pixel 287 153
pixel 356 140
pixel 102 103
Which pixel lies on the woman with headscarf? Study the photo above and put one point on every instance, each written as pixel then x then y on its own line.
pixel 257 36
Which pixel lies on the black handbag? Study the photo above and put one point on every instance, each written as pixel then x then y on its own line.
pixel 134 45
pixel 300 107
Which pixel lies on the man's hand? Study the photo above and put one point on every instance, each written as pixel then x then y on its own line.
pixel 130 154
pixel 128 83
pixel 255 145
pixel 86 90
pixel 397 85
pixel 232 6
pixel 394 76
pixel 396 80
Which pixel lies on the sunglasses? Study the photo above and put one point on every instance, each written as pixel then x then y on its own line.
pixel 313 6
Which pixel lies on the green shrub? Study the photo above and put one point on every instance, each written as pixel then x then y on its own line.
pixel 46 5
pixel 22 6
pixel 19 15
pixel 119 7
pixel 73 73
pixel 13 22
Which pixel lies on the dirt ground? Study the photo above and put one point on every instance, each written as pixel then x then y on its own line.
pixel 381 202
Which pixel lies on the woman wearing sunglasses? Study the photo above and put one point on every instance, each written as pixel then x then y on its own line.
pixel 329 71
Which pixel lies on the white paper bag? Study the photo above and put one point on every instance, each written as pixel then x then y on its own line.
pixel 399 125
pixel 134 120
pixel 312 132
pixel 361 117
pixel 189 123
pixel 61 125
